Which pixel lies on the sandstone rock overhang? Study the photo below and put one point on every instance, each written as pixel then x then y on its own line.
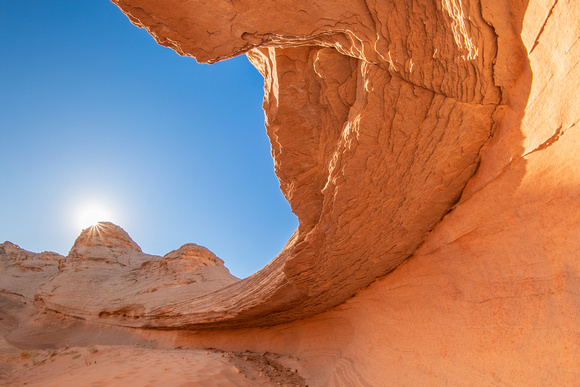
pixel 376 114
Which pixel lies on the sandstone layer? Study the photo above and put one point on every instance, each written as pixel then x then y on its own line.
pixel 376 116
pixel 429 152
pixel 106 273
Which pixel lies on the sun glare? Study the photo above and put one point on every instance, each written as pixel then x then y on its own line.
pixel 92 214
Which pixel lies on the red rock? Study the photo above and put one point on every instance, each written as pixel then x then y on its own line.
pixel 429 152
pixel 376 123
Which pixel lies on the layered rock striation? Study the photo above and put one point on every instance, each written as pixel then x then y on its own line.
pixel 376 113
pixel 429 152
pixel 106 275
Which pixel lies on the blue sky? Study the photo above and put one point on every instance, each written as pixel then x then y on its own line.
pixel 92 110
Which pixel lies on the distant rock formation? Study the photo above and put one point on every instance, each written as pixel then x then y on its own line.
pixel 107 275
pixel 104 241
pixel 23 272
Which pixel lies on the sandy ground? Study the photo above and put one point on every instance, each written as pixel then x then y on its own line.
pixel 139 366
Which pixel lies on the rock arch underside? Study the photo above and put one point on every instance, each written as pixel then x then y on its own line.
pixel 428 149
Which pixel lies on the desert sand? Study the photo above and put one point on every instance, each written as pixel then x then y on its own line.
pixel 139 366
pixel 429 150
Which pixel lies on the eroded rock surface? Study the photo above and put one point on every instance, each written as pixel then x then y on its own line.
pixel 24 272
pixel 376 112
pixel 106 275
pixel 431 145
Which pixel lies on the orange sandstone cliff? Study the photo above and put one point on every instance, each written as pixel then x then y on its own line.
pixel 428 149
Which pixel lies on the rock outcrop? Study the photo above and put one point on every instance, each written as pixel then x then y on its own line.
pixel 106 275
pixel 24 272
pixel 376 116
pixel 429 152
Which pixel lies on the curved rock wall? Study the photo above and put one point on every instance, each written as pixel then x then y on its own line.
pixel 429 150
pixel 376 112
pixel 492 297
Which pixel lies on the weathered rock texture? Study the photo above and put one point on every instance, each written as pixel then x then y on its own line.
pixel 106 274
pixel 430 144
pixel 376 114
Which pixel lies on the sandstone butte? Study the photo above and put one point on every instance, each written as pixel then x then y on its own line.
pixel 429 150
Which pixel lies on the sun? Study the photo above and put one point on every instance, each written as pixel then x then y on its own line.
pixel 91 214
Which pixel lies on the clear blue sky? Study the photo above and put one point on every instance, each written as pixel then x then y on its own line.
pixel 93 110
